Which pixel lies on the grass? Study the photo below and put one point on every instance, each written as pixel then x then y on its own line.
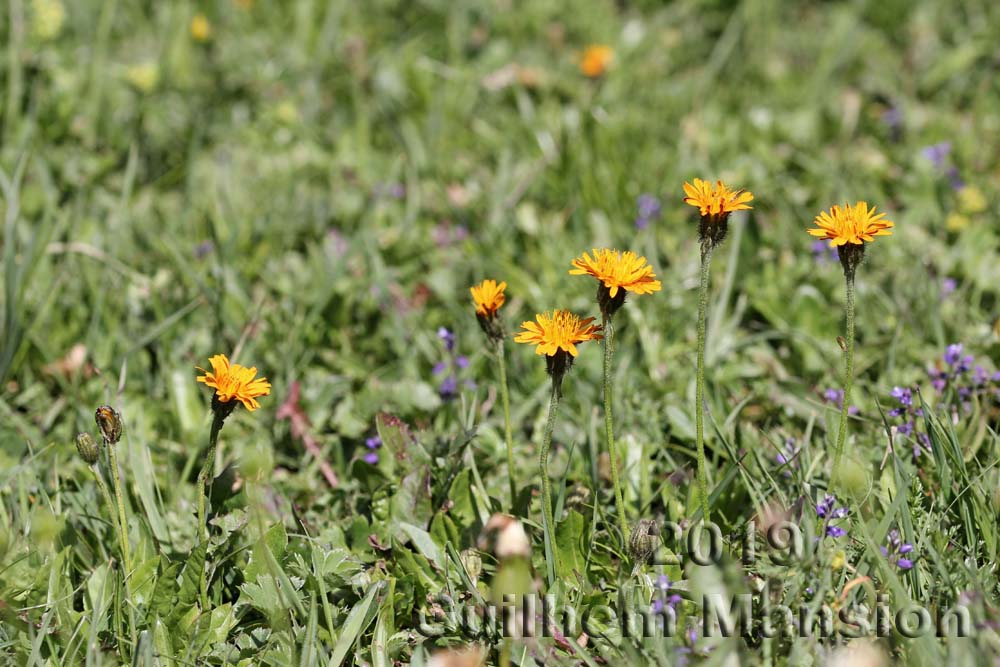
pixel 313 190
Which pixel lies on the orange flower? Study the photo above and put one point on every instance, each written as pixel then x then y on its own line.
pixel 488 297
pixel 232 381
pixel 562 330
pixel 716 201
pixel 851 224
pixel 596 59
pixel 618 270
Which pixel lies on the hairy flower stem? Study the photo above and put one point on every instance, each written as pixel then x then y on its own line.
pixel 699 398
pixel 549 525
pixel 848 373
pixel 609 333
pixel 111 507
pixel 122 522
pixel 505 398
pixel 204 479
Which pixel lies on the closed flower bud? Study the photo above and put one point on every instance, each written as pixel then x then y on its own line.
pixel 88 449
pixel 110 423
pixel 642 543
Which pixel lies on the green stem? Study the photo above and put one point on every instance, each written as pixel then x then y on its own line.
pixel 204 478
pixel 848 373
pixel 609 334
pixel 111 507
pixel 122 522
pixel 505 398
pixel 699 398
pixel 549 525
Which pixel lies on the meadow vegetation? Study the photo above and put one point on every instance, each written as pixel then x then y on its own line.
pixel 297 197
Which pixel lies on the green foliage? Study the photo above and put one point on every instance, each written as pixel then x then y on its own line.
pixel 313 188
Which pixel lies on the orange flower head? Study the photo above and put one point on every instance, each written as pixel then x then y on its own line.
pixel 851 224
pixel 596 59
pixel 488 297
pixel 617 271
pixel 232 381
pixel 560 331
pixel 716 201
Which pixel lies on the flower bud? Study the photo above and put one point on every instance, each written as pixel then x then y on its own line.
pixel 110 423
pixel 642 542
pixel 608 304
pixel 89 451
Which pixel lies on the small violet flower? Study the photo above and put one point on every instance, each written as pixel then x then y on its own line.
pixel 822 252
pixel 373 443
pixel 825 509
pixel 649 209
pixel 896 549
pixel 835 397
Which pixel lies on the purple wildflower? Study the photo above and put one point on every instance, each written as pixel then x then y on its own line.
pixel 822 252
pixel 954 178
pixel 836 397
pixel 449 387
pixel 448 338
pixel 953 353
pixel 948 286
pixel 910 416
pixel 788 456
pixel 825 510
pixel 897 548
pixel 937 153
pixel 892 118
pixel 371 458
pixel 373 442
pixel 649 209
pixel 203 249
pixel 953 372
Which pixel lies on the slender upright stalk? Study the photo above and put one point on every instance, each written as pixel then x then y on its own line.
pixel 122 521
pixel 111 507
pixel 543 463
pixel 609 333
pixel 505 398
pixel 204 477
pixel 699 399
pixel 848 373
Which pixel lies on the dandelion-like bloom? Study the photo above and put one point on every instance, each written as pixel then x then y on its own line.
pixel 488 297
pixel 232 381
pixel 716 200
pixel 560 331
pixel 618 273
pixel 848 228
pixel 851 224
pixel 596 59
pixel 715 203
